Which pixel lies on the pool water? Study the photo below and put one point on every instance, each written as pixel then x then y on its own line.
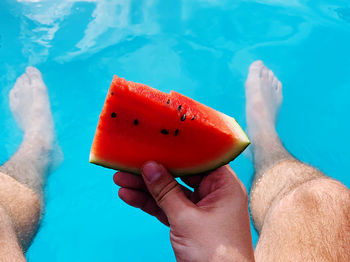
pixel 199 48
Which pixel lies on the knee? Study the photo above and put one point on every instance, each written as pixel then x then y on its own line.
pixel 322 197
pixel 314 216
pixel 323 202
pixel 319 194
pixel 276 184
pixel 319 201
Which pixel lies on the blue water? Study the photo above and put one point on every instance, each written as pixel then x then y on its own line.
pixel 199 48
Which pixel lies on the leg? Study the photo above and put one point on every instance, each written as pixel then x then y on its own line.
pixel 294 206
pixel 10 251
pixel 23 176
pixel 264 99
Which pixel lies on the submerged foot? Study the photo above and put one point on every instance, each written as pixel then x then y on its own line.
pixel 263 100
pixel 30 105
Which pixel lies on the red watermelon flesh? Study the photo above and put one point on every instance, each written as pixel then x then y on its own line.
pixel 139 123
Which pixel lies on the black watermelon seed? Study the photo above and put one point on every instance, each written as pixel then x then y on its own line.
pixel 113 115
pixel 179 108
pixel 176 132
pixel 193 118
pixel 112 93
pixel 136 122
pixel 164 132
pixel 168 102
pixel 183 117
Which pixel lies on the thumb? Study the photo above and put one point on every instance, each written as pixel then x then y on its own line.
pixel 165 190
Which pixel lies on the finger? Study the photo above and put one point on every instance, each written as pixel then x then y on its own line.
pixel 232 176
pixel 192 181
pixel 132 181
pixel 143 201
pixel 165 190
pixel 188 193
pixel 191 195
pixel 128 180
pixel 221 185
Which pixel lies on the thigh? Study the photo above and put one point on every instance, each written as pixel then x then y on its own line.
pixel 10 250
pixel 23 207
pixel 275 183
pixel 311 223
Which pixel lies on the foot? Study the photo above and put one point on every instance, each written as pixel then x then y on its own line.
pixel 263 100
pixel 30 106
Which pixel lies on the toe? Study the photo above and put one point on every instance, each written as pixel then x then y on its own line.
pixel 254 74
pixel 23 80
pixel 31 70
pixel 257 63
pixel 279 93
pixel 264 73
pixel 13 99
pixel 271 75
pixel 13 96
pixel 255 67
pixel 279 86
pixel 33 73
pixel 275 83
pixel 36 79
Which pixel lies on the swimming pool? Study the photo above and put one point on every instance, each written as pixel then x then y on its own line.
pixel 200 48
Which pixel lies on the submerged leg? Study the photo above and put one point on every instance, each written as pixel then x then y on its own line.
pixel 292 204
pixel 23 176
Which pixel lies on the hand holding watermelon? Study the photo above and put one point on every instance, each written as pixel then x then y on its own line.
pixel 209 224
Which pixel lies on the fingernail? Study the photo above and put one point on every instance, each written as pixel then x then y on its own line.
pixel 152 171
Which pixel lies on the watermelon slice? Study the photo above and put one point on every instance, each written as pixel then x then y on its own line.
pixel 139 123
